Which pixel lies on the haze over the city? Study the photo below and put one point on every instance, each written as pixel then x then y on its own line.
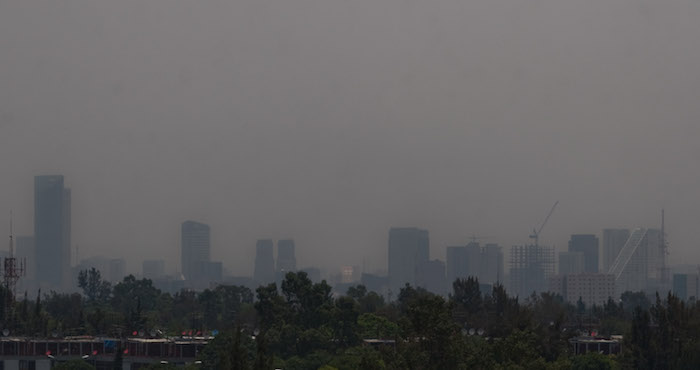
pixel 331 121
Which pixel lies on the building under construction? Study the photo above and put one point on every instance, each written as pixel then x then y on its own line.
pixel 640 264
pixel 530 267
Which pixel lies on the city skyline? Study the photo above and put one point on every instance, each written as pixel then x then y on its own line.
pixel 332 122
pixel 175 266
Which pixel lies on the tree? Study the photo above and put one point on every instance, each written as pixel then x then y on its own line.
pixel 632 300
pixel 94 288
pixel 309 304
pixel 592 361
pixel 468 301
pixel 270 306
pixel 133 298
pixel 263 360
pixel 239 356
pixel 640 339
pixel 430 323
pixel 467 295
pixel 345 321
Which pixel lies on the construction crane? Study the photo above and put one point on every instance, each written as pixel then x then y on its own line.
pixel 536 232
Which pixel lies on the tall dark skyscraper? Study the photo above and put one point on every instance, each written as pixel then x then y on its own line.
pixel 408 249
pixel 588 245
pixel 264 262
pixel 613 241
pixel 52 229
pixel 430 275
pixel 195 249
pixel 286 258
pixel 455 263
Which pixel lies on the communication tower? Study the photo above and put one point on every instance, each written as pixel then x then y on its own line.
pixel 13 270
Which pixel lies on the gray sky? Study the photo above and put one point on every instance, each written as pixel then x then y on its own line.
pixel 330 121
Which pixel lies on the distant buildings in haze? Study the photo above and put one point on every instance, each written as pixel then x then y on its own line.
pixel 530 268
pixel 587 244
pixel 408 249
pixel 613 241
pixel 153 269
pixel 264 271
pixel 195 249
pixel 485 263
pixel 286 257
pixel 52 232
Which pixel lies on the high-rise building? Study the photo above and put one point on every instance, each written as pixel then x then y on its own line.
pixel 52 228
pixel 685 286
pixel 588 245
pixel 571 263
pixel 455 263
pixel 264 272
pixel 349 274
pixel 408 248
pixel 640 264
pixel 491 265
pixel 430 275
pixel 613 241
pixel 117 270
pixel 196 247
pixel 530 268
pixel 153 269
pixel 474 259
pixel 589 288
pixel 286 257
pixel 313 273
pixel 485 263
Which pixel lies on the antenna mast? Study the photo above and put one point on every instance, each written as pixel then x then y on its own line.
pixel 13 270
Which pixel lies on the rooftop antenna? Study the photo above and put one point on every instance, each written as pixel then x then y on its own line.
pixel 12 272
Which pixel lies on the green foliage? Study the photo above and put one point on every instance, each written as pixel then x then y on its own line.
pixel 593 361
pixel 94 288
pixel 301 325
pixel 375 326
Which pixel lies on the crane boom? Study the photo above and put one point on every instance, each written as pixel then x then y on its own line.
pixel 547 218
pixel 536 232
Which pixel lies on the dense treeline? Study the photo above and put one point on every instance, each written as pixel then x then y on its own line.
pixel 302 325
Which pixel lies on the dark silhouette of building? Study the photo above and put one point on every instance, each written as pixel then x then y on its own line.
pixel 196 248
pixel 571 263
pixel 485 263
pixel 430 275
pixel 52 231
pixel 588 245
pixel 491 264
pixel 313 273
pixel 286 258
pixel 530 268
pixel 375 283
pixel 455 263
pixel 153 269
pixel 264 262
pixel 408 248
pixel 613 241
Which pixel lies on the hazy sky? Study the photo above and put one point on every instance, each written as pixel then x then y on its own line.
pixel 330 121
